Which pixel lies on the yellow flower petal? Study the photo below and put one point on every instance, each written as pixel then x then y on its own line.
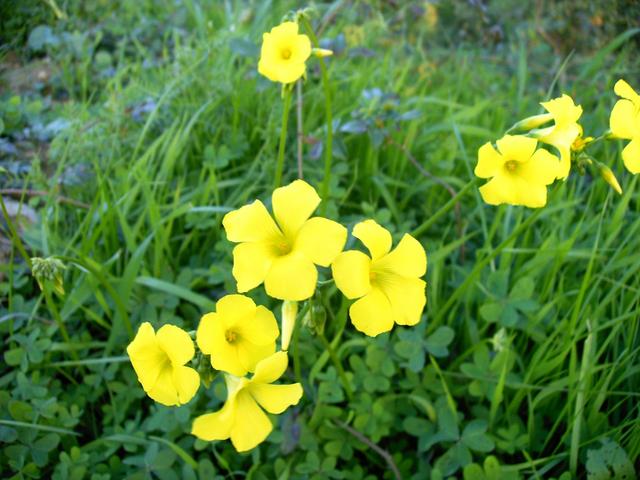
pixel 164 390
pixel 206 331
pixel 251 426
pixel 372 314
pixel 276 398
pixel 176 343
pixel 251 262
pixel 631 156
pixel 234 308
pixel 490 162
pixel 516 147
pixel 217 425
pixel 147 358
pixel 514 191
pixel 291 277
pixel 321 240
pixel 251 223
pixel 249 354
pixel 271 368
pixel 624 90
pixel 408 259
pixel 623 118
pixel 406 296
pixel 186 382
pixel 351 270
pixel 376 238
pixel 211 339
pixel 541 169
pixel 261 330
pixel 563 109
pixel 293 205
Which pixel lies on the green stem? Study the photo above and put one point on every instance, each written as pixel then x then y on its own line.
pixel 328 148
pixel 283 136
pixel 444 209
pixel 338 365
pixel 14 233
pixel 46 289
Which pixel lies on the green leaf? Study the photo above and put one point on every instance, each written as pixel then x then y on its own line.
pixel 491 312
pixel 474 436
pixel 609 462
pixel 175 290
pixel 437 342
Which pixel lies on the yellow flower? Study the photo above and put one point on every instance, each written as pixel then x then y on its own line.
pixel 237 335
pixel 387 284
pixel 625 123
pixel 284 53
pixel 159 358
pixel 564 131
pixel 283 255
pixel 519 173
pixel 241 417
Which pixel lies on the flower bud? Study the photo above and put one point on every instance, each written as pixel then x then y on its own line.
pixel 608 176
pixel 48 270
pixel 289 313
pixel 530 123
pixel 321 52
pixel 315 319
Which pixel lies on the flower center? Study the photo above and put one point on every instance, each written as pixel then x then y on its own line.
pixel 283 247
pixel 230 336
pixel 285 53
pixel 511 165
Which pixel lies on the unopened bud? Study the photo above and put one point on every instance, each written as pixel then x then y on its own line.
pixel 204 369
pixel 315 319
pixel 530 123
pixel 608 176
pixel 321 52
pixel 289 314
pixel 48 270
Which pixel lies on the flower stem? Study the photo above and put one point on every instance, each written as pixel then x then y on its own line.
pixel 328 148
pixel 336 362
pixel 46 290
pixel 283 136
pixel 14 233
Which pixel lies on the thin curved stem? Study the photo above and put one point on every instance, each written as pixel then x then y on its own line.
pixel 328 148
pixel 283 136
pixel 338 365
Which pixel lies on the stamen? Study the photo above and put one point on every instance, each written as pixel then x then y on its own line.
pixel 511 165
pixel 285 53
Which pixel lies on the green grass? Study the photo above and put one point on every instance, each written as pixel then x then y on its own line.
pixel 563 281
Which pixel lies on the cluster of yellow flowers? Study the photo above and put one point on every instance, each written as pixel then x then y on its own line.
pixel 520 172
pixel 283 253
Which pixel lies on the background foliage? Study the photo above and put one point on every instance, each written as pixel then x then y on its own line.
pixel 129 128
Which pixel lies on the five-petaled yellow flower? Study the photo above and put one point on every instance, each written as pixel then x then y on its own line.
pixel 625 123
pixel 283 255
pixel 237 335
pixel 159 358
pixel 387 284
pixel 565 114
pixel 519 173
pixel 284 53
pixel 241 417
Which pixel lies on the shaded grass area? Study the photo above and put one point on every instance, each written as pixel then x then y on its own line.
pixel 529 346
